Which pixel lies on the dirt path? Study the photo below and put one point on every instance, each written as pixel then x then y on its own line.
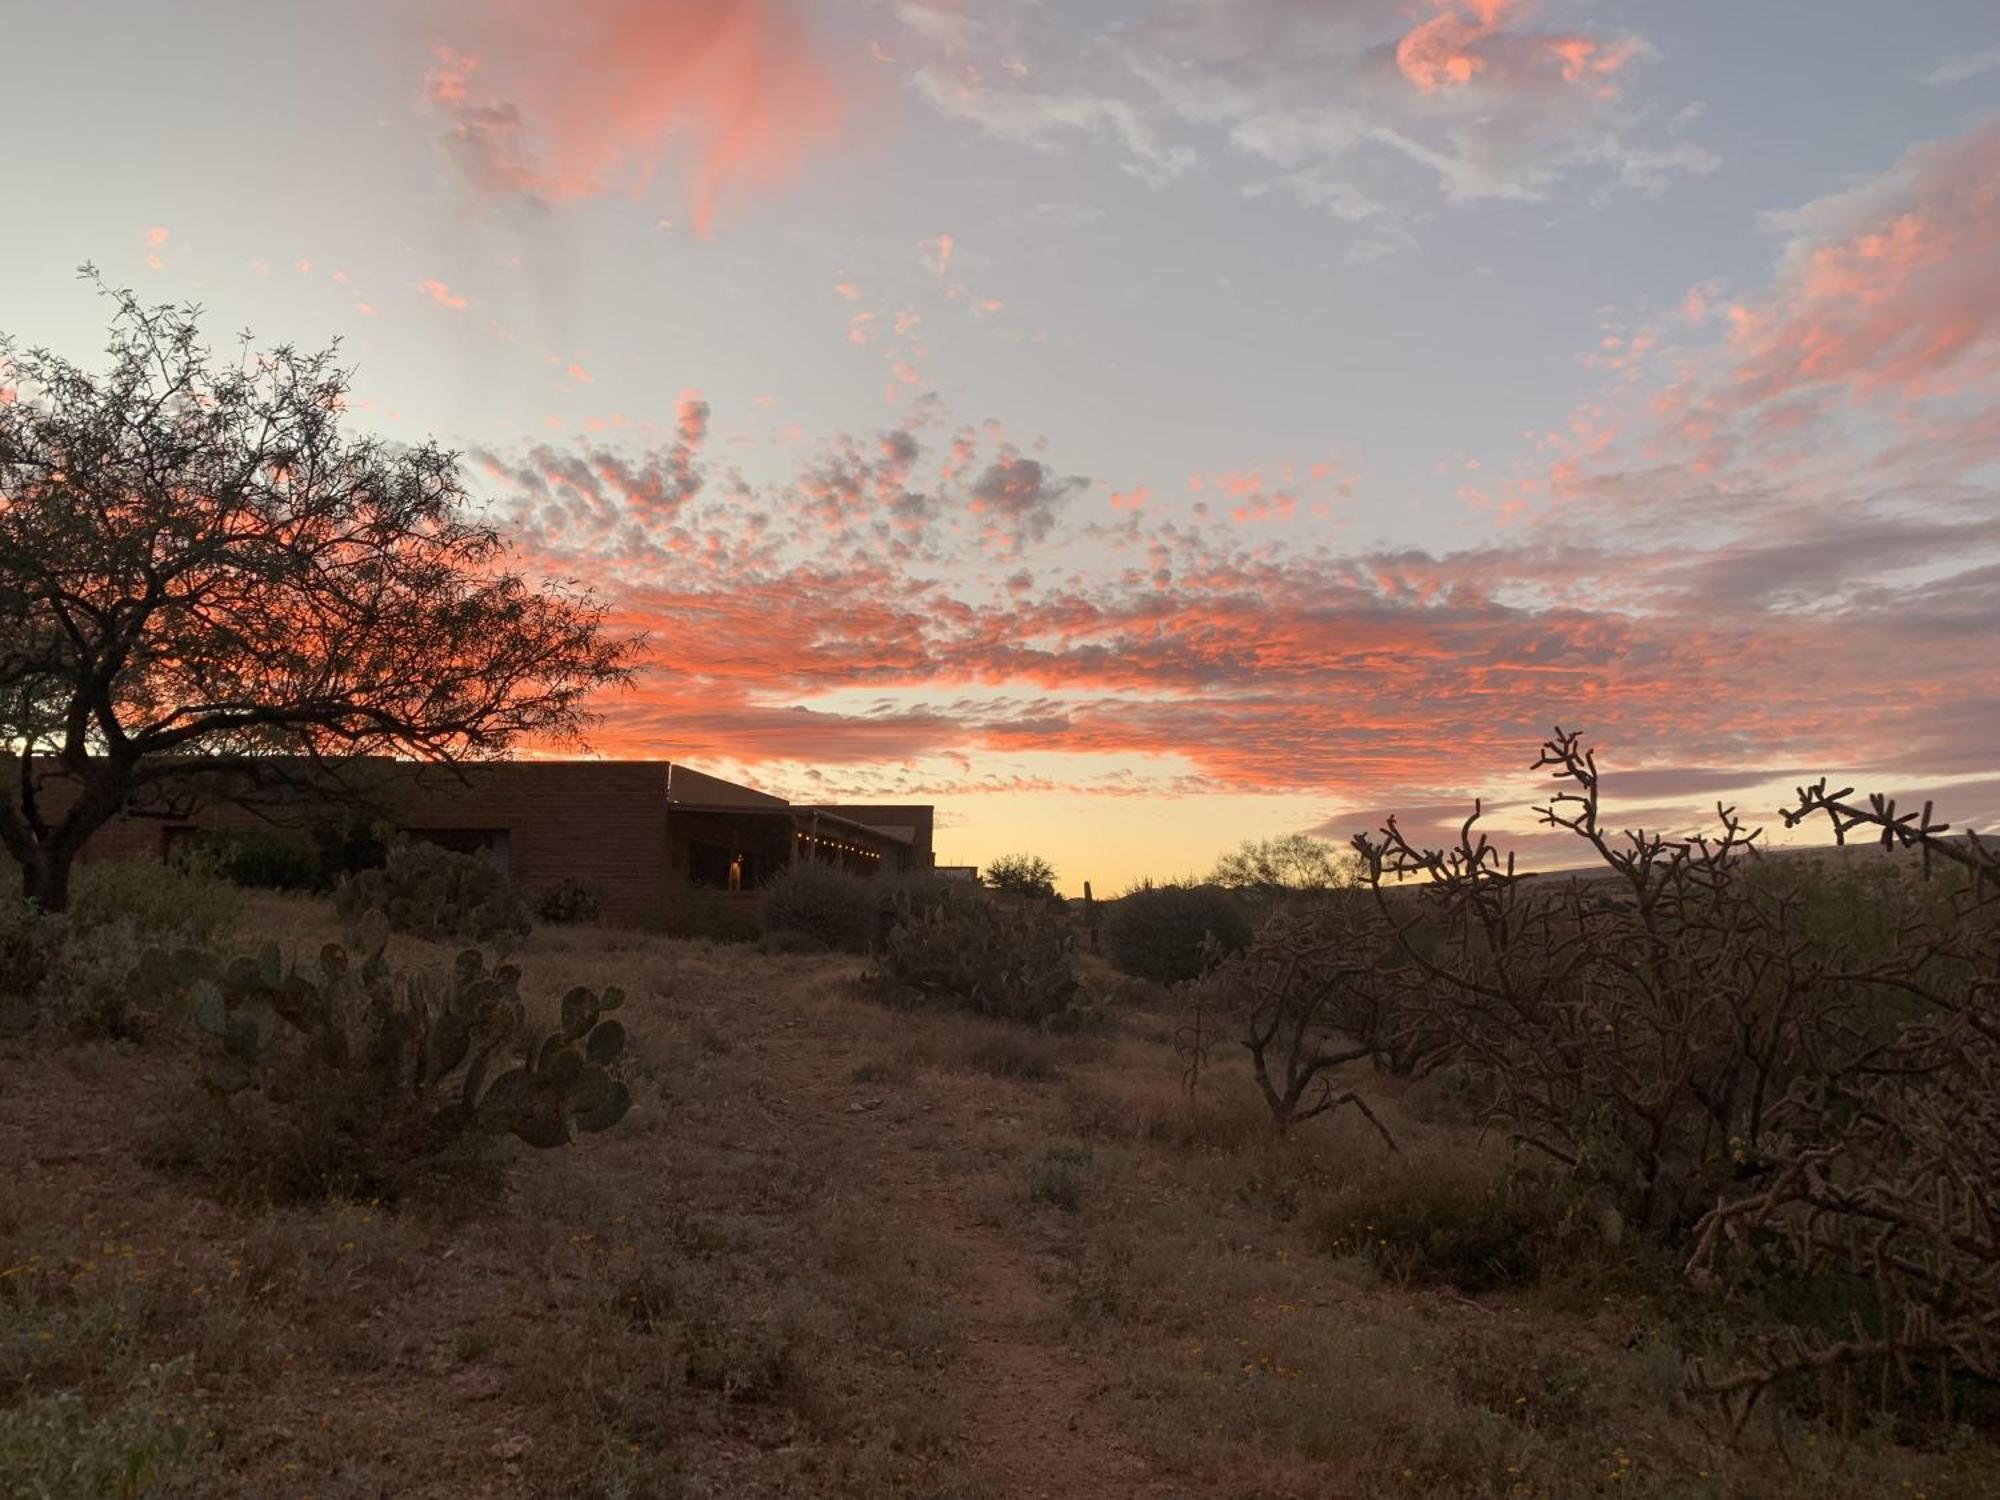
pixel 1036 1427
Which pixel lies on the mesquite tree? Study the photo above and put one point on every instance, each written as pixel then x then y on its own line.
pixel 199 572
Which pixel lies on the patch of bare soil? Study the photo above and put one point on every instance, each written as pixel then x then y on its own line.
pixel 1036 1426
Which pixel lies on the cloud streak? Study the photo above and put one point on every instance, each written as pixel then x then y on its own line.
pixel 600 94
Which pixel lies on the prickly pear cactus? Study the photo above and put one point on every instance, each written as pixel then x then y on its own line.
pixel 444 1042
pixel 564 1083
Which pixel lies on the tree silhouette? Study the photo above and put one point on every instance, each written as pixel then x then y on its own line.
pixel 199 572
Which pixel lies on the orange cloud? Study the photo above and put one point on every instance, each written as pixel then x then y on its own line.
pixel 1441 53
pixel 729 89
pixel 443 295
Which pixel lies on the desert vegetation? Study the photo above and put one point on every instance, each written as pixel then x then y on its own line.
pixel 1446 1181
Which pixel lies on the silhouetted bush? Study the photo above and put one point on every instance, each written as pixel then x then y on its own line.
pixel 1163 933
pixel 436 893
pixel 833 907
pixel 1022 875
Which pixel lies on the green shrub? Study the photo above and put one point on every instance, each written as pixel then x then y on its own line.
pixel 436 893
pixel 569 900
pixel 355 1079
pixel 1163 933
pixel 832 907
pixel 972 953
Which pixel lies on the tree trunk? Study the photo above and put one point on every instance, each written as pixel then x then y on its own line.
pixel 46 882
pixel 47 855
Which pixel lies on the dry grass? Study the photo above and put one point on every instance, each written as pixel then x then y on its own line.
pixel 844 1250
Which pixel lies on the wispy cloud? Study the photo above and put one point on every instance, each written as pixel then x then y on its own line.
pixel 1961 66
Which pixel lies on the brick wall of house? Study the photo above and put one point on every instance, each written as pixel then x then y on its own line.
pixel 601 822
pixel 608 824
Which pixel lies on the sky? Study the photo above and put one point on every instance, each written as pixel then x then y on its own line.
pixel 1135 427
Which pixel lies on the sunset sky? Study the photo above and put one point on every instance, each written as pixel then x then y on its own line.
pixel 1135 427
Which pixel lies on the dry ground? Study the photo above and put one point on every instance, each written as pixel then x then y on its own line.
pixel 835 1250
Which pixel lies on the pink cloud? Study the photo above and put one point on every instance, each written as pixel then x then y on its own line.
pixel 156 237
pixel 1473 40
pixel 1440 53
pixel 603 92
pixel 1888 289
pixel 443 295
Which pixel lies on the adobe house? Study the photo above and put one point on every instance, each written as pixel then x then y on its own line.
pixel 634 831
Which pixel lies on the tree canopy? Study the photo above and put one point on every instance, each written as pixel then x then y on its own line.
pixel 1289 862
pixel 200 570
pixel 1022 875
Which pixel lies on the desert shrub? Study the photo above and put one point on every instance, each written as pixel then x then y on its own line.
pixel 568 900
pixel 897 896
pixel 701 915
pixel 348 843
pixel 154 899
pixel 1022 875
pixel 96 971
pixel 1457 1221
pixel 1168 933
pixel 1056 1179
pixel 266 859
pixel 833 907
pixel 1779 1074
pixel 436 893
pixel 355 1079
pixel 23 947
pixel 971 953
pixel 1305 998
